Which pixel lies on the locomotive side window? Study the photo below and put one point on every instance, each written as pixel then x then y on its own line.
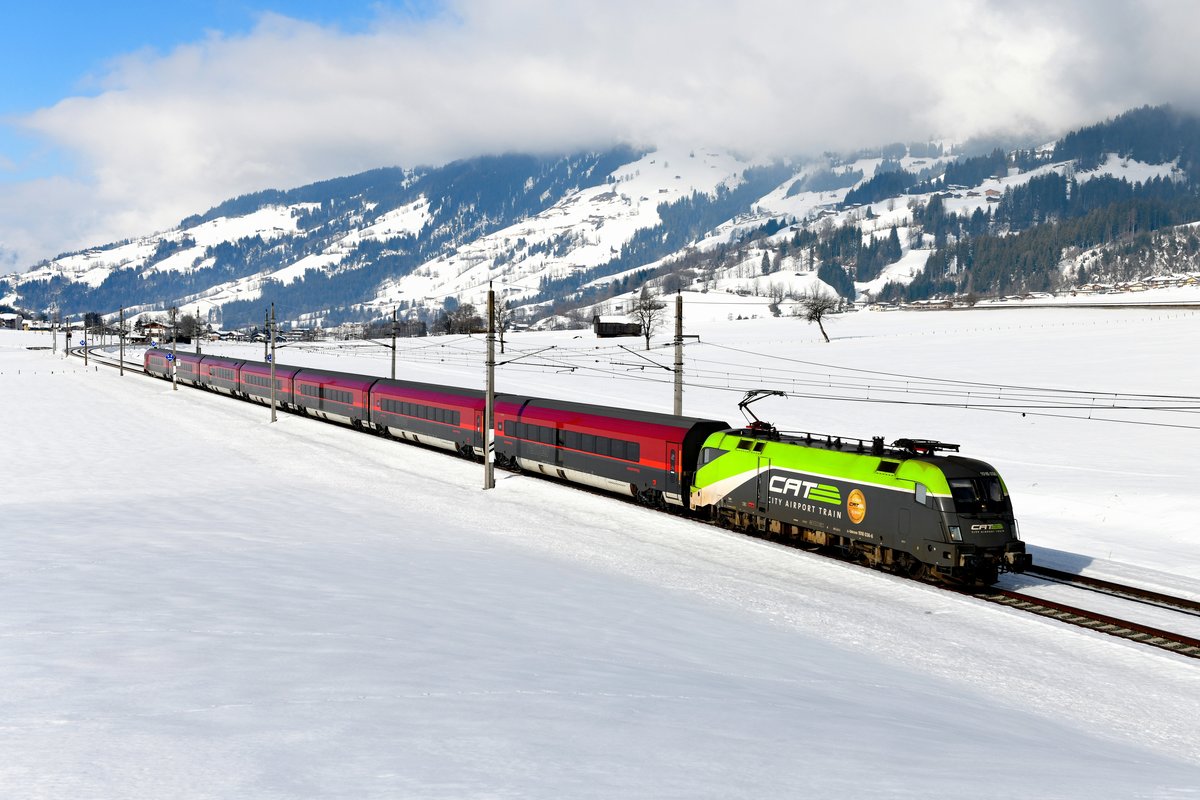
pixel 921 494
pixel 888 467
pixel 711 454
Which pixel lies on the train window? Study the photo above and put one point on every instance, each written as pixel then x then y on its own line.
pixel 921 494
pixel 711 454
pixel 586 442
pixel 995 491
pixel 745 445
pixel 976 495
pixel 888 467
pixel 443 415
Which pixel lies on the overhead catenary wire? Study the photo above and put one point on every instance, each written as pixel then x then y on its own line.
pixel 826 382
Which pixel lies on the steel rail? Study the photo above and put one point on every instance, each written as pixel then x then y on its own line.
pixel 1143 634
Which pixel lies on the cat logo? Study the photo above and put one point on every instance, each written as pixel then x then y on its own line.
pixel 856 507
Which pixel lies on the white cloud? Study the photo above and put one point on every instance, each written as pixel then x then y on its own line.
pixel 291 102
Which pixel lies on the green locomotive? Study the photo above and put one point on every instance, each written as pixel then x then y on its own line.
pixel 908 508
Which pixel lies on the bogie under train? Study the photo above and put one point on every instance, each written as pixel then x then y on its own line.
pixel 906 508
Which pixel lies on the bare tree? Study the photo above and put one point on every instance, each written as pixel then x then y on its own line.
pixel 504 320
pixel 648 311
pixel 815 304
pixel 776 292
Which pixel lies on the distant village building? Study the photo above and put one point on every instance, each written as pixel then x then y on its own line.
pixel 13 322
pixel 153 332
pixel 608 327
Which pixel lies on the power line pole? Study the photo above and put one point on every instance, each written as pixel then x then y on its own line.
pixel 394 310
pixel 272 335
pixel 196 330
pixel 174 350
pixel 678 355
pixel 121 335
pixel 489 409
pixel 266 327
pixel 85 342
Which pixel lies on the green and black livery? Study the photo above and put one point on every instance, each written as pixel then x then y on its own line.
pixel 907 508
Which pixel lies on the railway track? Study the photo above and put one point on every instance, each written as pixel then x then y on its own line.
pixel 1111 589
pixel 1069 614
pixel 1138 599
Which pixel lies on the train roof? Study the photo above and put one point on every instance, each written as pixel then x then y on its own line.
pixel 439 388
pixel 632 415
pixel 900 448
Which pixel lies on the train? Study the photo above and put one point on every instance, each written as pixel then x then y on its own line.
pixel 914 507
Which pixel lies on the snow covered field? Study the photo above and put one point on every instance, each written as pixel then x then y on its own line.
pixel 197 603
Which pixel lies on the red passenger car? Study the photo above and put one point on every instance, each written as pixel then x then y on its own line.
pixel 254 382
pixel 335 396
pixel 157 363
pixel 220 374
pixel 187 368
pixel 637 453
pixel 440 416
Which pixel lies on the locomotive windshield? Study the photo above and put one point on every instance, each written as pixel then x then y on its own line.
pixel 978 495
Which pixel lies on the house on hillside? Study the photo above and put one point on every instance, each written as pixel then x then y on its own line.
pixel 608 327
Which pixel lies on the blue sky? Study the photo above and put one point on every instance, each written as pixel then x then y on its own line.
pixel 121 118
pixel 50 50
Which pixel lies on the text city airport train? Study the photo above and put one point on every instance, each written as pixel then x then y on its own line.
pixel 906 508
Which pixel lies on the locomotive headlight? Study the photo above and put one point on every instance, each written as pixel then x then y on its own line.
pixel 955 533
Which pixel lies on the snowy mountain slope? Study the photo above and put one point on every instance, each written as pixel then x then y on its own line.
pixel 586 229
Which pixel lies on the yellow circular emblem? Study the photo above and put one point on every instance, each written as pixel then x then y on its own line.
pixel 856 507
